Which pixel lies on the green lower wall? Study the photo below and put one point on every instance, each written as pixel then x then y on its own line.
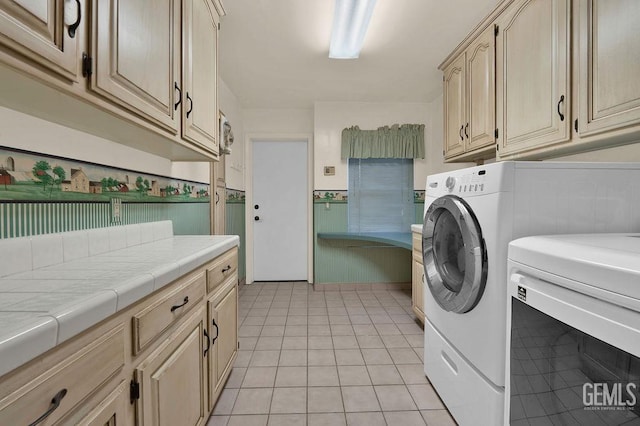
pixel 235 225
pixel 349 261
pixel 419 212
pixel 26 219
pixel 23 219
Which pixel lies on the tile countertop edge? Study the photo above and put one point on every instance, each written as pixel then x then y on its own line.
pixel 26 341
pixel 416 228
pixel 36 335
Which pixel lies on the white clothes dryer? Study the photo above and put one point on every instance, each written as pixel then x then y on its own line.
pixel 471 215
pixel 573 330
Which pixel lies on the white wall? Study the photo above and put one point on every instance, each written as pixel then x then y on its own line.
pixel 22 131
pixel 434 143
pixel 278 121
pixel 331 117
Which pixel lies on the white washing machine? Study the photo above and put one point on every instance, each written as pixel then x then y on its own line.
pixel 573 330
pixel 471 215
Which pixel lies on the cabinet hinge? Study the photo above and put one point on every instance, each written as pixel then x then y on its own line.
pixel 87 65
pixel 443 153
pixel 238 345
pixel 134 391
pixel 496 30
pixel 218 26
pixel 575 125
pixel 496 133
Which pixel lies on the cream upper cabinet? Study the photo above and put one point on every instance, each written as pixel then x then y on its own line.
pixel 223 326
pixel 609 65
pixel 136 47
pixel 45 31
pixel 172 380
pixel 532 74
pixel 469 100
pixel 454 107
pixel 199 71
pixel 481 121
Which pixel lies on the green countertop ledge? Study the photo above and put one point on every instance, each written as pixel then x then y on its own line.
pixel 399 239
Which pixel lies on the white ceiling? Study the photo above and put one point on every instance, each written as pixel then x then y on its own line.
pixel 274 53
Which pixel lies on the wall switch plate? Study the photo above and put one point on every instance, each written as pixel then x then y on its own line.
pixel 329 170
pixel 116 210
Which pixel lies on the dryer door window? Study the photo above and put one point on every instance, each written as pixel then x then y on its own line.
pixel 455 259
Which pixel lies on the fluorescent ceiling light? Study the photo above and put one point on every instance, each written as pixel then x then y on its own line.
pixel 350 21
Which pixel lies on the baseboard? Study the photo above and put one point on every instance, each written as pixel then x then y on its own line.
pixel 360 286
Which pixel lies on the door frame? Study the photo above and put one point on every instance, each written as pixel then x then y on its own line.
pixel 250 139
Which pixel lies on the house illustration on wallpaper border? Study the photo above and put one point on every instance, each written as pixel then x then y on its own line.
pixel 79 182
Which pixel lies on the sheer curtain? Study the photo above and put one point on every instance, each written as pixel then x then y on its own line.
pixel 380 195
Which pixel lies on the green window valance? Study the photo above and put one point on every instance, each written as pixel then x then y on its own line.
pixel 397 141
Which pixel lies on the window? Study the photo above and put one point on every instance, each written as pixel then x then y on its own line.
pixel 380 195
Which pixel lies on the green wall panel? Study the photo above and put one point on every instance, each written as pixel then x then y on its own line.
pixel 419 212
pixel 235 225
pixel 189 219
pixel 349 261
pixel 29 218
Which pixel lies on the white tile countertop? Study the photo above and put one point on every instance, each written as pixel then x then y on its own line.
pixel 53 287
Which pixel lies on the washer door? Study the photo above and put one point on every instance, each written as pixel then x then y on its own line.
pixel 454 255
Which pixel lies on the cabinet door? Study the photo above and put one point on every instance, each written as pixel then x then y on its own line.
pixel 40 30
pixel 223 323
pixel 454 107
pixel 111 411
pixel 200 67
pixel 172 378
pixel 481 95
pixel 417 290
pixel 609 49
pixel 532 56
pixel 137 57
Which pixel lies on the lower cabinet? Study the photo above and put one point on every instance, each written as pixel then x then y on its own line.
pixel 112 410
pixel 105 377
pixel 58 390
pixel 223 331
pixel 172 382
pixel 417 290
pixel 417 278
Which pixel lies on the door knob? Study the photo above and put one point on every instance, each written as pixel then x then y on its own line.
pixel 256 218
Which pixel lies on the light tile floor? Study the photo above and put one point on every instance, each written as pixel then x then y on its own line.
pixel 327 358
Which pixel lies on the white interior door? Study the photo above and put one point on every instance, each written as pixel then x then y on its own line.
pixel 279 210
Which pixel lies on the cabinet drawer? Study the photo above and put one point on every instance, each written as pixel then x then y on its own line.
pixel 69 382
pixel 222 268
pixel 154 319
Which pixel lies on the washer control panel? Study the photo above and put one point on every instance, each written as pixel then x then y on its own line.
pixel 450 183
pixel 470 183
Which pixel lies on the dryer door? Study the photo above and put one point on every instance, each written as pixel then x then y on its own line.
pixel 454 255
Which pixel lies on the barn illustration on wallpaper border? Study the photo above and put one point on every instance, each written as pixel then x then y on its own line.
pixel 36 177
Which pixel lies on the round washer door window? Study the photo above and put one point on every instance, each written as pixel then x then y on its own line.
pixel 454 256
